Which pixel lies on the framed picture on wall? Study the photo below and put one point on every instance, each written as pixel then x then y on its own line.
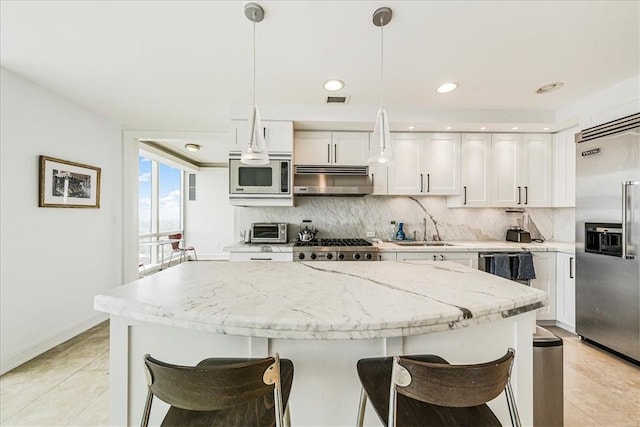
pixel 65 184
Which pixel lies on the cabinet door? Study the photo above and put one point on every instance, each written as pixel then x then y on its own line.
pixel 350 148
pixel 416 255
pixel 278 135
pixel 378 176
pixel 505 151
pixel 440 157
pixel 545 266
pixel 470 259
pixel 475 170
pixel 405 173
pixel 564 168
pixel 566 290
pixel 312 148
pixel 536 170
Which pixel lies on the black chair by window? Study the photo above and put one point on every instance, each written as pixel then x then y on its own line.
pixel 221 392
pixel 426 390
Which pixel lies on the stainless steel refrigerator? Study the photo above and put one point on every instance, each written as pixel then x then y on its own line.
pixel 608 235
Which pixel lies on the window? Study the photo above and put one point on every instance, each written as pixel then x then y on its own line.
pixel 159 207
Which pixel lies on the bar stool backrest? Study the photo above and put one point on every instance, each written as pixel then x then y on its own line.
pixel 213 387
pixel 452 385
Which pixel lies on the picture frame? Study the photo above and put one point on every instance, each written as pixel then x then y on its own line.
pixel 65 184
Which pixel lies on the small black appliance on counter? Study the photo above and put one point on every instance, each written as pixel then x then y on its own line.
pixel 515 234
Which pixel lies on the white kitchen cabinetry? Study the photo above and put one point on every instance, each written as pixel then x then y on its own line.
pixel 470 259
pixel 566 291
pixel 475 172
pixel 564 168
pixel 544 264
pixel 278 135
pixel 260 256
pixel 387 256
pixel 378 176
pixel 522 170
pixel 331 148
pixel 425 164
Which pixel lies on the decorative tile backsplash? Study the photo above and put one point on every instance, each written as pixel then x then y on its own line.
pixel 355 216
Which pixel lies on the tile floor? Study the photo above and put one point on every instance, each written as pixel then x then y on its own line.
pixel 68 385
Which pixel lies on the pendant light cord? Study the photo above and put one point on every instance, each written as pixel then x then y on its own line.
pixel 254 57
pixel 381 62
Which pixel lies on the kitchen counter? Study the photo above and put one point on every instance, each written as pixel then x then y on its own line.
pixel 259 247
pixel 323 316
pixel 480 246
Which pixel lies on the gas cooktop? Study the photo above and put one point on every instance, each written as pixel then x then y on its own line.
pixel 335 249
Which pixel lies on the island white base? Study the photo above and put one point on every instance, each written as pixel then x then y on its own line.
pixel 326 388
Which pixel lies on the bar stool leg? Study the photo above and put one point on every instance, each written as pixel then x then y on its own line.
pixel 361 409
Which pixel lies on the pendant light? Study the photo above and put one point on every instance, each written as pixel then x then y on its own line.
pixel 255 153
pixel 380 153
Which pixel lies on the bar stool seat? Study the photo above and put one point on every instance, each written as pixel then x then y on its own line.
pixel 428 391
pixel 221 391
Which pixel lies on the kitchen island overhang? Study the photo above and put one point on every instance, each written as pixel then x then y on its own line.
pixel 323 317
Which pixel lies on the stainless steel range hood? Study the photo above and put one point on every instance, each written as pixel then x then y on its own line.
pixel 332 181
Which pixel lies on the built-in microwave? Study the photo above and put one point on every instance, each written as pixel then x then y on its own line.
pixel 272 179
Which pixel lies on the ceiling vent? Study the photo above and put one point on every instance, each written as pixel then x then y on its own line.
pixel 337 99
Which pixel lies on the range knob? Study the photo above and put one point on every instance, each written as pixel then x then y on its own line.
pixel 340 256
pixel 300 255
pixel 368 256
pixel 356 256
pixel 329 256
pixel 313 255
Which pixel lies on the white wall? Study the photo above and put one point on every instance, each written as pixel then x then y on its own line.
pixel 209 219
pixel 53 261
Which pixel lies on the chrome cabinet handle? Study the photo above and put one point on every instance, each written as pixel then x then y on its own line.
pixel 526 195
pixel 260 259
pixel 421 183
pixel 328 153
pixel 428 182
pixel 435 258
pixel 441 257
pixel 626 222
pixel 373 180
pixel 465 195
pixel 335 153
pixel 519 195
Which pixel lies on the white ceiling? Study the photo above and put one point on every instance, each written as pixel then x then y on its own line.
pixel 186 65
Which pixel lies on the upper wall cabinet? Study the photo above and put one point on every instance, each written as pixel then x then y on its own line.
pixel 564 168
pixel 425 164
pixel 522 170
pixel 475 172
pixel 331 148
pixel 278 135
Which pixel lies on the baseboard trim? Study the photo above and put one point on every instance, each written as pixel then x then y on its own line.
pixel 14 360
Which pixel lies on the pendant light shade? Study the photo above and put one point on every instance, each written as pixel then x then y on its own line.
pixel 380 152
pixel 255 152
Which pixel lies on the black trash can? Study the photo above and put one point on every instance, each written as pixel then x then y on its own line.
pixel 548 398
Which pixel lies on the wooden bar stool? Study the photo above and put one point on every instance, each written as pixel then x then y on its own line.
pixel 221 392
pixel 426 390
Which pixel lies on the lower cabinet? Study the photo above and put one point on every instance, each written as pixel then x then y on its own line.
pixel 545 266
pixel 260 256
pixel 566 291
pixel 470 259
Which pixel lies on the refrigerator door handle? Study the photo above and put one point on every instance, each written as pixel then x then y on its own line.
pixel 627 220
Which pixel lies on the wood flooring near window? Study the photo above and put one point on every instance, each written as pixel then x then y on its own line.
pixel 68 385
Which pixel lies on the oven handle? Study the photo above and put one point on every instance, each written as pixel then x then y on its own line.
pixel 626 220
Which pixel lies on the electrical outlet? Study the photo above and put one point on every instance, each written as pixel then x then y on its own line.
pixel 371 234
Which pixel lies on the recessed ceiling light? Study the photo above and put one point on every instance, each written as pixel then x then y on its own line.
pixel 545 128
pixel 549 88
pixel 447 87
pixel 448 127
pixel 192 147
pixel 412 127
pixel 483 128
pixel 514 128
pixel 333 85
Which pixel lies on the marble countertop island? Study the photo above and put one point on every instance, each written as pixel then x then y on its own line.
pixel 328 300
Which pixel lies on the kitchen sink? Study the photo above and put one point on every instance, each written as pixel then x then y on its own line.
pixel 420 243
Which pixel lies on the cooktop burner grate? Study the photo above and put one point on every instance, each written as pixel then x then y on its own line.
pixel 344 242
